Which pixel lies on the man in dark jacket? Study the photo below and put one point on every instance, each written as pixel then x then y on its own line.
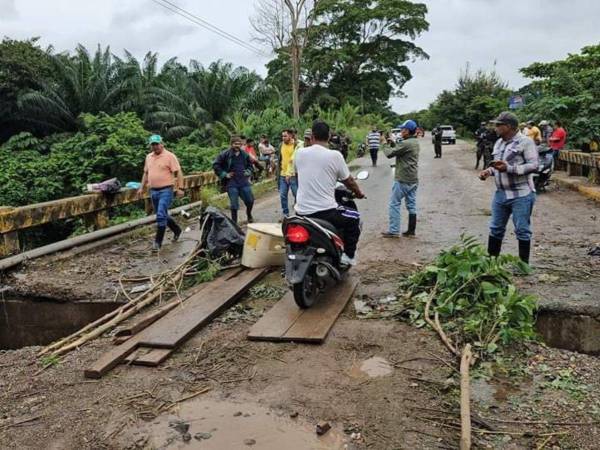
pixel 480 140
pixel 234 167
pixel 437 141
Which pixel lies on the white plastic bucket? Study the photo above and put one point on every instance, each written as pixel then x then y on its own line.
pixel 263 246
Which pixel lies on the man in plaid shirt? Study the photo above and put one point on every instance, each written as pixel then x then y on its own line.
pixel 515 159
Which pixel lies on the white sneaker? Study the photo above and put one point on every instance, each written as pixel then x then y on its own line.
pixel 346 260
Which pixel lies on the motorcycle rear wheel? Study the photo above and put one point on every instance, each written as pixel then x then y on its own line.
pixel 305 292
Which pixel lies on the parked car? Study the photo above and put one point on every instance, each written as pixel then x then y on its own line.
pixel 448 134
pixel 395 134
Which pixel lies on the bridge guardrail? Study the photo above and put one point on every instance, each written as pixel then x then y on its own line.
pixel 93 207
pixel 581 164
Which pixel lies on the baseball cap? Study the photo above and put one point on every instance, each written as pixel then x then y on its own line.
pixel 307 133
pixel 155 139
pixel 506 118
pixel 410 125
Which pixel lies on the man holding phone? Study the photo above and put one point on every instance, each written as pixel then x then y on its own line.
pixel 515 159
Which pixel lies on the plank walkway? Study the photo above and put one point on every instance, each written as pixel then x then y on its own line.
pixel 159 340
pixel 287 322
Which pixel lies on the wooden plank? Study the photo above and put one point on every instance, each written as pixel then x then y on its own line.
pixel 112 358
pixel 286 322
pixel 199 310
pixel 279 319
pixel 316 322
pixel 119 353
pixel 150 357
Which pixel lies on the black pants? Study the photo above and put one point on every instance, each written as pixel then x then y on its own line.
pixel 438 149
pixel 345 220
pixel 373 152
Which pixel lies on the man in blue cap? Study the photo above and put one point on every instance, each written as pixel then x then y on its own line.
pixel 406 179
pixel 162 173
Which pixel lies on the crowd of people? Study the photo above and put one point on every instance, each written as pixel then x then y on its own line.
pixel 310 167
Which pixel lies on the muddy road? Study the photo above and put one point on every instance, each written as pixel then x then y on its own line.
pixel 381 384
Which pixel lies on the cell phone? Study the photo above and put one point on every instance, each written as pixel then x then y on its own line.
pixel 491 164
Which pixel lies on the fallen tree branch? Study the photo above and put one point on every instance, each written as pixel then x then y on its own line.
pixel 436 325
pixel 465 399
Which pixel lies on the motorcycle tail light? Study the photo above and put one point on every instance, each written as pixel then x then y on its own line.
pixel 338 242
pixel 297 234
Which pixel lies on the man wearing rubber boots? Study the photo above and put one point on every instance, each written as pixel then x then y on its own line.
pixel 319 169
pixel 234 167
pixel 515 159
pixel 162 173
pixel 406 179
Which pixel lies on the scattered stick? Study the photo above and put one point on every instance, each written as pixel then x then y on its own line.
pixel 195 394
pixel 22 422
pixel 465 399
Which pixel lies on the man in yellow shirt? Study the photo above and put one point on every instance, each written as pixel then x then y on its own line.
pixel 287 176
pixel 534 132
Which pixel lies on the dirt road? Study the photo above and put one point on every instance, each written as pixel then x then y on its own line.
pixel 270 396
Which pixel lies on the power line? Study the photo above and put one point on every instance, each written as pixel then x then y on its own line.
pixel 207 25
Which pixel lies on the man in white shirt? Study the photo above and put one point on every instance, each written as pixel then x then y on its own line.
pixel 319 169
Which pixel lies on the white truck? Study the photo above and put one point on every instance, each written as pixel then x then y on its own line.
pixel 448 134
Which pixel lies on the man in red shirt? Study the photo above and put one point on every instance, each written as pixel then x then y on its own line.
pixel 557 139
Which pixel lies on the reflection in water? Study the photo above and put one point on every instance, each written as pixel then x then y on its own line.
pixel 221 425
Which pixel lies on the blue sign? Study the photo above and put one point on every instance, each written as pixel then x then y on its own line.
pixel 516 102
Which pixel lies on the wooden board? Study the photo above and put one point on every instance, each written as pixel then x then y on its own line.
pixel 112 358
pixel 199 310
pixel 150 357
pixel 286 322
pixel 119 353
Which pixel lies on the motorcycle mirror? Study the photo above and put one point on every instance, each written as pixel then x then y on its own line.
pixel 362 175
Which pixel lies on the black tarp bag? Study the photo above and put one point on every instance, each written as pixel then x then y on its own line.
pixel 220 235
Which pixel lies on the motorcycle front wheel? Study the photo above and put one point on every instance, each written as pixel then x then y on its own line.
pixel 305 292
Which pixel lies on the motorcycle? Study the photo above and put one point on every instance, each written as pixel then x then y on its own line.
pixel 314 251
pixel 541 178
pixel 362 150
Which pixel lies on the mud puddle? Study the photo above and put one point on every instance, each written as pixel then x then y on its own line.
pixel 373 368
pixel 213 424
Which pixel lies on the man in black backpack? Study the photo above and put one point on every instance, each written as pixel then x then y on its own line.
pixel 234 167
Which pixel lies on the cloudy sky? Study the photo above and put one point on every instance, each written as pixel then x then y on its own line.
pixel 508 33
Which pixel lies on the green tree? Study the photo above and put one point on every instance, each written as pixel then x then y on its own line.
pixel 477 97
pixel 568 90
pixel 204 96
pixel 83 84
pixel 23 66
pixel 359 51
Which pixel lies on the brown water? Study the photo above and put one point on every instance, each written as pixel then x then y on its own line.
pixel 373 367
pixel 228 425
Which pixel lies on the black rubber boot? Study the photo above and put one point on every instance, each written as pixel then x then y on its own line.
pixel 494 246
pixel 249 212
pixel 174 228
pixel 412 225
pixel 524 250
pixel 234 215
pixel 158 239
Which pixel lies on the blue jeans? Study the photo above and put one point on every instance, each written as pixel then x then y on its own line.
pixel 401 191
pixel 284 189
pixel 161 201
pixel 520 208
pixel 235 193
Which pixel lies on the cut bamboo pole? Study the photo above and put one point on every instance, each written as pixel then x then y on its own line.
pixel 465 399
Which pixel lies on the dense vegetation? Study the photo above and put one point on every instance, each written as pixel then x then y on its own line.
pixel 72 119
pixel 566 90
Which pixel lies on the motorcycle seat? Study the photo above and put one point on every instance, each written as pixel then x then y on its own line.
pixel 326 225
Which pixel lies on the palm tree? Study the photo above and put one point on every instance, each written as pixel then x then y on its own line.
pixel 83 84
pixel 205 96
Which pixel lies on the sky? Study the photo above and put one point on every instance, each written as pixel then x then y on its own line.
pixel 486 34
